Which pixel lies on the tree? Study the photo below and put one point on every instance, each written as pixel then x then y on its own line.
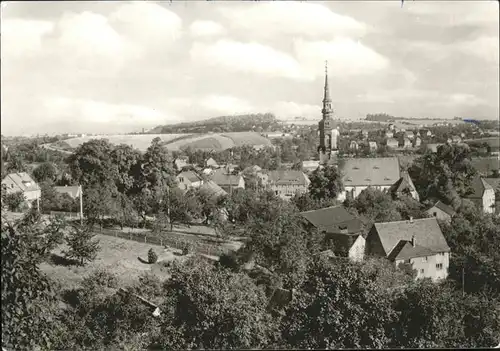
pixel 152 256
pixel 326 183
pixel 446 174
pixel 81 246
pixel 212 308
pixel 338 305
pixel 28 302
pixel 305 202
pixel 127 161
pixel 15 201
pixel 375 205
pixel 99 201
pixel 45 172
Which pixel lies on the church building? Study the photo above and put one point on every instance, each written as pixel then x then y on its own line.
pixel 328 130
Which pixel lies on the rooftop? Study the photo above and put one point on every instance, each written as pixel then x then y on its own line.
pixel 370 171
pixel 190 175
pixel 23 181
pixel 426 231
pixel 333 220
pixel 288 177
pixel 404 250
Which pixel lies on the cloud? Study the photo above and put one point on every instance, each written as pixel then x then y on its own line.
pixel 246 57
pixel 98 112
pixel 464 100
pixel 89 39
pixel 226 104
pixel 292 18
pixel 22 37
pixel 345 57
pixel 484 47
pixel 206 29
pixel 147 23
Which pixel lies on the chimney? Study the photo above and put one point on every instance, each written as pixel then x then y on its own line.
pixel 413 241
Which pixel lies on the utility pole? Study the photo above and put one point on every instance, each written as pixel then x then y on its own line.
pixel 463 281
pixel 81 205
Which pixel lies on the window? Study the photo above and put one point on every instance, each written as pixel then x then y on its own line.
pixel 424 259
pixel 435 214
pixel 439 266
pixel 422 271
pixel 181 179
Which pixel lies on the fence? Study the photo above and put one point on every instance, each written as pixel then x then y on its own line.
pixel 65 214
pixel 164 239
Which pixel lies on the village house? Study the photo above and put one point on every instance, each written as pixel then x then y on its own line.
pixel 405 142
pixel 310 165
pixel 409 134
pixel 364 134
pixel 188 179
pixel 417 142
pixel 425 133
pixel 228 182
pixel 404 187
pixel 456 139
pixel 372 145
pixel 441 211
pixel 286 184
pixel 392 143
pixel 360 173
pixel 72 191
pixel 483 195
pixel 391 126
pixel 211 163
pixel 180 162
pixel 353 145
pixel 342 230
pixel 389 134
pixel 495 184
pixel 22 182
pixel 417 242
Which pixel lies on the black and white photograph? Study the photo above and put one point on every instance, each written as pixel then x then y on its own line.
pixel 236 175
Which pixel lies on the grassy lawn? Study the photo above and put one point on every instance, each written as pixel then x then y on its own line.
pixel 118 255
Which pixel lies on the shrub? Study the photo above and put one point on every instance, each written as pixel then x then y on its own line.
pixel 187 249
pixel 101 277
pixel 152 256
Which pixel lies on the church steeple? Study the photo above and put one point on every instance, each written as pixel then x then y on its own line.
pixel 327 110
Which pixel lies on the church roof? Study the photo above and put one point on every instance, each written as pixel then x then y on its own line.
pixel 380 171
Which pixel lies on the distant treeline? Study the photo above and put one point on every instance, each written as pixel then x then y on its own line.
pixel 223 124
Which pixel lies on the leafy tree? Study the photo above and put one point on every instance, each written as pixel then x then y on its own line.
pixel 98 201
pixel 446 174
pixel 92 163
pixel 326 183
pixel 375 205
pixel 45 172
pixel 81 246
pixel 211 308
pixel 156 168
pixel 28 302
pixel 339 305
pixel 305 202
pixel 435 316
pixel 127 161
pixel 15 201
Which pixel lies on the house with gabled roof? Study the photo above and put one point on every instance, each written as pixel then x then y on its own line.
pixel 22 182
pixel 495 184
pixel 180 162
pixel 287 183
pixel 372 145
pixel 405 142
pixel 417 242
pixel 360 173
pixel 404 187
pixel 188 179
pixel 227 181
pixel 441 211
pixel 483 195
pixel 343 230
pixel 392 143
pixel 73 191
pixel 389 134
pixel 211 163
pixel 409 134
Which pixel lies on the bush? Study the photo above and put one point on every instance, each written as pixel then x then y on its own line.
pixel 187 249
pixel 101 277
pixel 152 256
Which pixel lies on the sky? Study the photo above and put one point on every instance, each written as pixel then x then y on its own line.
pixel 114 67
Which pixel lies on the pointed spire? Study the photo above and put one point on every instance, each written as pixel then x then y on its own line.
pixel 327 89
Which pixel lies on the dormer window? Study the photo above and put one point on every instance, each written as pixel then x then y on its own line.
pixel 355 167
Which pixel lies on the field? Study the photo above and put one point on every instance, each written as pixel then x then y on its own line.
pixel 118 255
pixel 175 142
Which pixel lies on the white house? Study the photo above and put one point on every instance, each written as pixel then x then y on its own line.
pixel 286 184
pixel 360 173
pixel 22 182
pixel 188 179
pixel 483 195
pixel 419 243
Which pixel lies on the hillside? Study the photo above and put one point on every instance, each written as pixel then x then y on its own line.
pixel 175 142
pixel 221 124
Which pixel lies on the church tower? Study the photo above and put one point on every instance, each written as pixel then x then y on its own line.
pixel 328 133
